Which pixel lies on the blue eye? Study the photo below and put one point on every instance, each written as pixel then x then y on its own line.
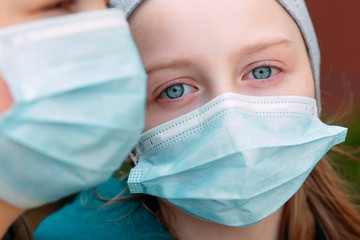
pixel 264 72
pixel 176 91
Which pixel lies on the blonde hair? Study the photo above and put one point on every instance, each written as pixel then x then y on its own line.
pixel 320 204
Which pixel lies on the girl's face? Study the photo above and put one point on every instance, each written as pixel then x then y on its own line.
pixel 194 51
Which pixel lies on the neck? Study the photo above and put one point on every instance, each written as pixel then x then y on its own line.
pixel 186 227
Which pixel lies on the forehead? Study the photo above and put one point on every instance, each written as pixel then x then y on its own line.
pixel 179 26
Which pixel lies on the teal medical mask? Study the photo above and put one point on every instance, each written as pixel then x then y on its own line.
pixel 237 159
pixel 79 89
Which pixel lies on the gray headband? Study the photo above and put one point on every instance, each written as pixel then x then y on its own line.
pixel 296 8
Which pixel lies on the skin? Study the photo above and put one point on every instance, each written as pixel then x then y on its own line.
pixel 21 11
pixel 210 49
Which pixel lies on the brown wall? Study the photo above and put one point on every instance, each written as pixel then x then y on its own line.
pixel 337 24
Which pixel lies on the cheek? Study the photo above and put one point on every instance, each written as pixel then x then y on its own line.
pixel 310 88
pixel 298 86
pixel 305 86
pixel 150 120
pixel 154 116
pixel 5 97
pixel 300 82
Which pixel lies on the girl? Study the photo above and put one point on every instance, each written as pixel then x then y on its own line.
pixel 195 54
pixel 231 132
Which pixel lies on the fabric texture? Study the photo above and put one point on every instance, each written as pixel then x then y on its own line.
pixel 202 163
pixel 59 89
pixel 89 218
pixel 20 230
pixel 296 8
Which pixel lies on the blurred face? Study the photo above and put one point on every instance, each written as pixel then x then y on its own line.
pixel 194 51
pixel 19 11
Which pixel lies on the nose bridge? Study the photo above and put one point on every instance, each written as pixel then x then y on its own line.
pixel 222 83
pixel 220 74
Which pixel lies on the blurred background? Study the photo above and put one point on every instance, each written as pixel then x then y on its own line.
pixel 337 24
pixel 338 29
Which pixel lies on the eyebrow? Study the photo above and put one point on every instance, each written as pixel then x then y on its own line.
pixel 254 48
pixel 243 52
pixel 178 63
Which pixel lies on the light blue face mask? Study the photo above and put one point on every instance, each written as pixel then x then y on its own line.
pixel 235 160
pixel 79 88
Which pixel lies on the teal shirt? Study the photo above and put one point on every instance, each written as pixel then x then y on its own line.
pixel 87 218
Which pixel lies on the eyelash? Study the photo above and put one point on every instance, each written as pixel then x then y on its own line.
pixel 171 84
pixel 259 65
pixel 64 4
